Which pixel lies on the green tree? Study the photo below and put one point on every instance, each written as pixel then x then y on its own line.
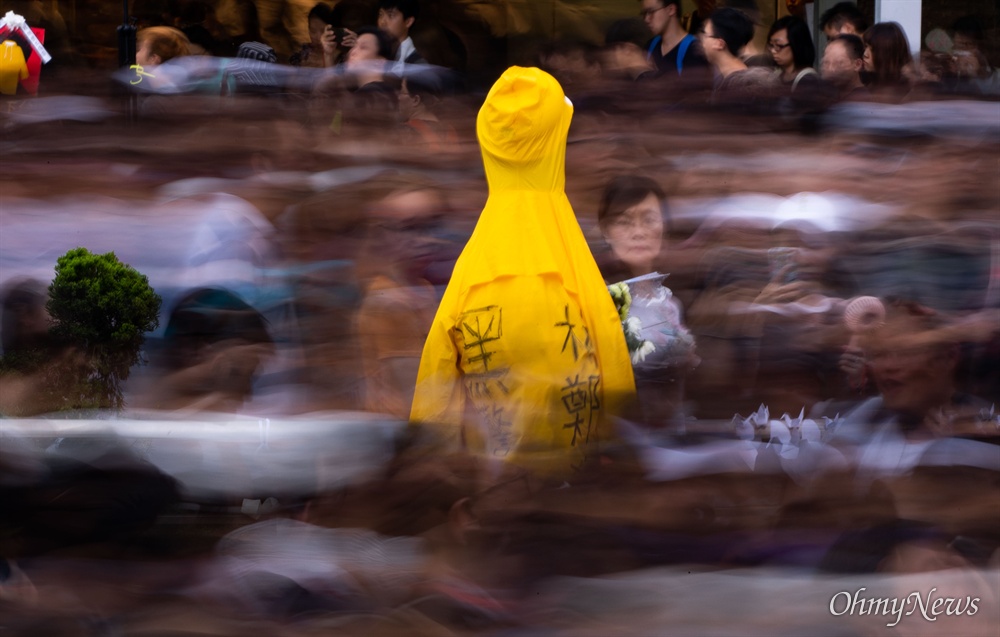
pixel 104 307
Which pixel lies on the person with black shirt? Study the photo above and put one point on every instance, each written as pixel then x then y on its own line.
pixel 673 50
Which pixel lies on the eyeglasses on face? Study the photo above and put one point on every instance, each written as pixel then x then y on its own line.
pixel 646 13
pixel 632 221
pixel 778 46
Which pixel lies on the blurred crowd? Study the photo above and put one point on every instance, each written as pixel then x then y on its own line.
pixel 807 236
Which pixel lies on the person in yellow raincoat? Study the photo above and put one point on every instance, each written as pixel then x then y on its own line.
pixel 526 357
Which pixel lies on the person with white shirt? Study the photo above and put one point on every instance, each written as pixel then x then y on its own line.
pixel 396 18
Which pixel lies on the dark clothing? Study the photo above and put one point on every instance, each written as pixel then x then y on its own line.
pixel 860 94
pixel 375 103
pixel 694 58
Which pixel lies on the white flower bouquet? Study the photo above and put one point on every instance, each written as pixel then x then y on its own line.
pixel 638 347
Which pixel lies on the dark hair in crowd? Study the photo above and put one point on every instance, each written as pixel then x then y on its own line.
pixel 853 44
pixel 386 48
pixel 207 316
pixel 625 191
pixel 628 31
pixel 890 52
pixel 409 8
pixel 733 26
pixel 969 26
pixel 842 13
pixel 322 11
pixel 799 38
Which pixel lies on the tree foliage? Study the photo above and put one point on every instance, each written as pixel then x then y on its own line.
pixel 105 307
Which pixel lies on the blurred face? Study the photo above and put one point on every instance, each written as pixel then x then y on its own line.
pixel 144 57
pixel 965 43
pixel 780 49
pixel 656 15
pixel 837 66
pixel 316 28
pixel 392 22
pixel 235 363
pixel 407 102
pixel 636 235
pixel 911 379
pixel 869 60
pixel 365 50
pixel 709 42
pixel 408 223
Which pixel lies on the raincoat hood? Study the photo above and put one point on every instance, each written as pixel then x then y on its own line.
pixel 528 226
pixel 522 129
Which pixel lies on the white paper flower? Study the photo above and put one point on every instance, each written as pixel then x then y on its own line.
pixel 644 350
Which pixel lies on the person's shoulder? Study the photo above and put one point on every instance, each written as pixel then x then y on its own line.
pixel 694 55
pixel 807 77
pixel 415 58
pixel 749 84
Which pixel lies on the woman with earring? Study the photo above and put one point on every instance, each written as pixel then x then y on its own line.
pixel 633 222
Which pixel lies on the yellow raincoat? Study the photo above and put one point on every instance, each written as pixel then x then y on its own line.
pixel 526 356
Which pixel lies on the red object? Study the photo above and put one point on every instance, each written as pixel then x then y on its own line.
pixel 34 64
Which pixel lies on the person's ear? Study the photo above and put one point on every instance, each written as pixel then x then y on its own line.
pixel 461 520
pixel 155 60
pixel 859 65
pixel 409 22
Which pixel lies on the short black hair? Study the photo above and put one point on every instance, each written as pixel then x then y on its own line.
pixel 969 25
pixel 749 7
pixel 733 27
pixel 386 47
pixel 628 31
pixel 625 191
pixel 667 3
pixel 409 8
pixel 322 11
pixel 841 13
pixel 205 316
pixel 853 44
pixel 803 49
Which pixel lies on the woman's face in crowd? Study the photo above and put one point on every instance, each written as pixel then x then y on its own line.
pixel 316 29
pixel 366 49
pixel 869 60
pixel 909 378
pixel 636 234
pixel 780 50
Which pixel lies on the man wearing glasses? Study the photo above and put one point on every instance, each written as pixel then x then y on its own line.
pixel 673 50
